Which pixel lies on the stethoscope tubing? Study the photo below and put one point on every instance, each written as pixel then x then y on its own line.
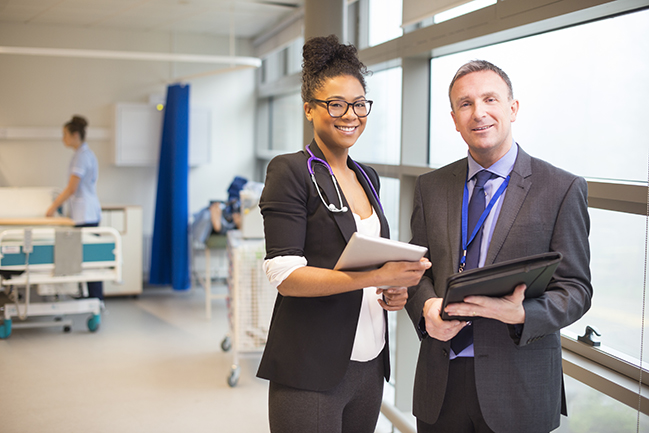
pixel 331 207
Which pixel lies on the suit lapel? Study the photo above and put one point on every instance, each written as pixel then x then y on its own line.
pixel 454 203
pixel 517 190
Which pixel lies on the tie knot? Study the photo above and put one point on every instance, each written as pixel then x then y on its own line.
pixel 481 178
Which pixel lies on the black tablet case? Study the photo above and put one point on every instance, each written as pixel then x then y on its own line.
pixel 500 279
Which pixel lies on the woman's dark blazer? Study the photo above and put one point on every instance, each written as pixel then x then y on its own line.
pixel 310 339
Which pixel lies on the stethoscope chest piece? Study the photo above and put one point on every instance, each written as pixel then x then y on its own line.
pixel 332 207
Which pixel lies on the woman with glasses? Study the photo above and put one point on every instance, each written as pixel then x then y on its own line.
pixel 327 350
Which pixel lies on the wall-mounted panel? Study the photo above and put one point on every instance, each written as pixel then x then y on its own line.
pixel 138 131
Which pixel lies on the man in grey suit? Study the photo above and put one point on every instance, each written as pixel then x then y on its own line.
pixel 502 371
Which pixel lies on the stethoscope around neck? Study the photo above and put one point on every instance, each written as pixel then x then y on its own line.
pixel 331 207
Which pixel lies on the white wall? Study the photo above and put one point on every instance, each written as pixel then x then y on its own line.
pixel 47 91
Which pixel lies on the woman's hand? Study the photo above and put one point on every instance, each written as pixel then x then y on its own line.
pixel 311 281
pixel 69 190
pixel 401 274
pixel 394 298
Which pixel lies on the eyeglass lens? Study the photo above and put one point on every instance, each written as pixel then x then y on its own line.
pixel 339 108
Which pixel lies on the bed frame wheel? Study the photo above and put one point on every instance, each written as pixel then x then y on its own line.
pixel 5 329
pixel 93 322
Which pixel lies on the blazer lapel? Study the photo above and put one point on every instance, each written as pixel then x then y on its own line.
pixel 454 203
pixel 517 190
pixel 344 220
pixel 369 191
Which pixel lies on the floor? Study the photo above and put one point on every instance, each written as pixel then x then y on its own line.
pixel 155 365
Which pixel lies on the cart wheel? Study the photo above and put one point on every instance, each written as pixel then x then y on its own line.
pixel 67 328
pixel 233 378
pixel 5 329
pixel 93 322
pixel 226 344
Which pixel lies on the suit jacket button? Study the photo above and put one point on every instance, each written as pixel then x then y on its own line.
pixel 445 352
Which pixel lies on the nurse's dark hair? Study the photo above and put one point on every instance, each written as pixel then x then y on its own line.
pixel 479 66
pixel 325 58
pixel 77 124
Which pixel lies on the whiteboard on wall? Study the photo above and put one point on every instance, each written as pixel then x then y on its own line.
pixel 138 132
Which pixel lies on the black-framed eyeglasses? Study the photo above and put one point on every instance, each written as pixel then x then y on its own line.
pixel 338 107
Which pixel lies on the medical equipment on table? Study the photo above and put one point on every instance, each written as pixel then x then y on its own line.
pixel 251 299
pixel 51 257
pixel 331 206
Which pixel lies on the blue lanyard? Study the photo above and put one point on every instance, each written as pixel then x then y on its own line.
pixel 483 217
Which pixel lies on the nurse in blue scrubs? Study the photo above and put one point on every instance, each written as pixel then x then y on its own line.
pixel 81 190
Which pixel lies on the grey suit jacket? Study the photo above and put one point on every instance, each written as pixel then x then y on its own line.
pixel 518 373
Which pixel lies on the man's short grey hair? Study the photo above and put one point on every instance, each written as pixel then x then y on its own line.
pixel 478 66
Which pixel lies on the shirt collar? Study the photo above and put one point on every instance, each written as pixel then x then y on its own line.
pixel 501 168
pixel 84 145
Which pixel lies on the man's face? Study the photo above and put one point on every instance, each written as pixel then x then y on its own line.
pixel 483 113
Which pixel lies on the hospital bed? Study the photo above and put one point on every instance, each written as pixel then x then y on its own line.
pixel 45 261
pixel 53 260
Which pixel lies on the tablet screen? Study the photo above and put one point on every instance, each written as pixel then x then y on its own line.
pixel 368 252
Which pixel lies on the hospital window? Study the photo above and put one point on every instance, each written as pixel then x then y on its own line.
pixel 280 113
pixel 389 195
pixel 581 94
pixel 384 21
pixel 448 14
pixel 594 412
pixel 381 140
pixel 286 122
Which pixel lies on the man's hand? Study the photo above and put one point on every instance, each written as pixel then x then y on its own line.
pixel 508 309
pixel 437 328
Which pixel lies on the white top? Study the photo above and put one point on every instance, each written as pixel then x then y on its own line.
pixel 84 203
pixel 370 332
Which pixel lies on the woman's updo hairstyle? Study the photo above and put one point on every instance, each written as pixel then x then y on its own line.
pixel 77 124
pixel 325 58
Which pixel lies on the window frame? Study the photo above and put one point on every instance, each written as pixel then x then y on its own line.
pixel 604 369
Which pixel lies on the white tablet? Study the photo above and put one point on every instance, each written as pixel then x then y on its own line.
pixel 363 253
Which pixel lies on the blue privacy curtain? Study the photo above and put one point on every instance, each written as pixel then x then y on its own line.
pixel 170 245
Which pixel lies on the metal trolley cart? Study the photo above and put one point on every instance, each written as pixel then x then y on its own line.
pixel 250 301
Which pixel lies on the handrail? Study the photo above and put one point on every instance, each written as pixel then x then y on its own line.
pixel 398 419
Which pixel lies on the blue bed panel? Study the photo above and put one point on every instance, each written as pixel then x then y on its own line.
pixel 44 254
